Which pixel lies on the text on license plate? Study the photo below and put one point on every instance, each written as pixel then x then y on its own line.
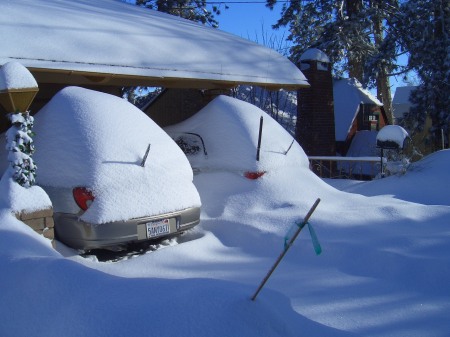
pixel 157 228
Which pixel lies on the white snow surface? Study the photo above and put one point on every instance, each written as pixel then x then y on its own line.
pixel 383 271
pixel 101 140
pixel 393 133
pixel 13 75
pixel 418 184
pixel 348 95
pixel 20 199
pixel 230 129
pixel 364 143
pixel 363 147
pixel 314 54
pixel 113 37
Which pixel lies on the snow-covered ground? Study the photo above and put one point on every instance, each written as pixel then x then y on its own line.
pixel 384 270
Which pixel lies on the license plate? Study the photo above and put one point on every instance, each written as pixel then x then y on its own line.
pixel 157 228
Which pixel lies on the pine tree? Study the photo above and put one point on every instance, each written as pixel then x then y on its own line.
pixel 339 28
pixel 194 10
pixel 306 21
pixel 350 32
pixel 425 33
pixel 20 146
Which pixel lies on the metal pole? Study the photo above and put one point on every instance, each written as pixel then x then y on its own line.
pixel 289 244
pixel 259 138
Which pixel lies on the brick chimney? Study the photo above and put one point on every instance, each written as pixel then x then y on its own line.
pixel 315 129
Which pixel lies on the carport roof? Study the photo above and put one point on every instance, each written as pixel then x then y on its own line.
pixel 111 42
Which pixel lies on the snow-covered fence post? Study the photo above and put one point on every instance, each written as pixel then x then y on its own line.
pixel 17 90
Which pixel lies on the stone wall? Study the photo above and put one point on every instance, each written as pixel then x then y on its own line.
pixel 40 221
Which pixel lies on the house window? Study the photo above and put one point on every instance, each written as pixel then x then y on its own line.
pixel 373 122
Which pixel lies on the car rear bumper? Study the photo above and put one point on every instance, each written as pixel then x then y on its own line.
pixel 81 235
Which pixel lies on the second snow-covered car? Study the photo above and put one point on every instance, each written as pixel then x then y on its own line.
pixel 235 136
pixel 114 177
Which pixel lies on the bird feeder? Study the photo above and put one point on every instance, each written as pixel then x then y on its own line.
pixel 391 137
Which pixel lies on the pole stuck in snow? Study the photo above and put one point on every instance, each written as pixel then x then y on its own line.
pixel 259 137
pixel 286 247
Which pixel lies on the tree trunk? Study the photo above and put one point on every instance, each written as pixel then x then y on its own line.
pixel 355 66
pixel 441 14
pixel 383 83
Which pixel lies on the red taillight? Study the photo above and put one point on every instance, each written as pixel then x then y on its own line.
pixel 253 175
pixel 83 197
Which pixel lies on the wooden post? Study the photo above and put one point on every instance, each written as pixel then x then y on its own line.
pixel 288 245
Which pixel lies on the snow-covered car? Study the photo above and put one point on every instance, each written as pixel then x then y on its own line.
pixel 114 177
pixel 232 135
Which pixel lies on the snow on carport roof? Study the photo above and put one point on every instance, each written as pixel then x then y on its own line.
pixel 115 38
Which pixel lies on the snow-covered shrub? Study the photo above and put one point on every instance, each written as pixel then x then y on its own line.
pixel 398 161
pixel 396 165
pixel 19 143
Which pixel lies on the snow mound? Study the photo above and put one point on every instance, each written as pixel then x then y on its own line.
pixel 20 199
pixel 424 182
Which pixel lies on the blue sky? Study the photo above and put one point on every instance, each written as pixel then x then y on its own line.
pixel 250 20
pixel 246 18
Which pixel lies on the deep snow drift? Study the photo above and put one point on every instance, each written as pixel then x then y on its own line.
pixel 383 272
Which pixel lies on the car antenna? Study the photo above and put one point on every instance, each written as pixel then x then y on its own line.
pixel 145 156
pixel 286 152
pixel 259 137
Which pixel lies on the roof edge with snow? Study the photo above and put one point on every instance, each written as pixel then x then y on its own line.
pixel 111 42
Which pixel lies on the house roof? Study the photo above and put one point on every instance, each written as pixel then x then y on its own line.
pixel 109 42
pixel 401 103
pixel 348 95
pixel 402 94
